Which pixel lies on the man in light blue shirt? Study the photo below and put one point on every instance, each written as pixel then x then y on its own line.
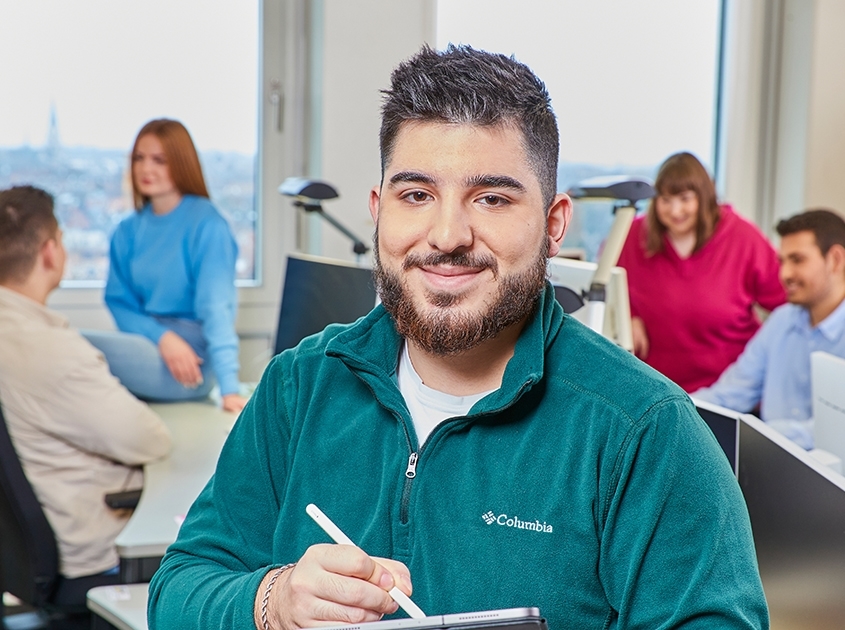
pixel 774 369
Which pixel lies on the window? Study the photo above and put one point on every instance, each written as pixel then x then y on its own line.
pixel 631 82
pixel 80 79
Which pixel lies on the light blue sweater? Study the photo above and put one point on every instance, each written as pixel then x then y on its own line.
pixel 181 264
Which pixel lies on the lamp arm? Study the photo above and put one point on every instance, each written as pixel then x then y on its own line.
pixel 358 246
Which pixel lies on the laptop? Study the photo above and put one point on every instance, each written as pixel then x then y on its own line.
pixel 828 387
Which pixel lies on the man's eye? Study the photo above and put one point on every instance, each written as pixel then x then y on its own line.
pixel 493 200
pixel 417 196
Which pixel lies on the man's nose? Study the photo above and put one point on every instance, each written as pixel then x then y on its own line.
pixel 451 226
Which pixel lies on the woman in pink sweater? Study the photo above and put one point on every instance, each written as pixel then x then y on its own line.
pixel 696 269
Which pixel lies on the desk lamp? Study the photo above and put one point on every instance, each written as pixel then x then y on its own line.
pixel 624 192
pixel 309 194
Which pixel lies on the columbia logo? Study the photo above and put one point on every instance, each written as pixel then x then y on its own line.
pixel 490 518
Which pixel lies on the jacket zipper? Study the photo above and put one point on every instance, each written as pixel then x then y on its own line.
pixel 411 470
pixel 410 473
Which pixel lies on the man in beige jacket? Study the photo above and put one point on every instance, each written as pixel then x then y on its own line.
pixel 78 432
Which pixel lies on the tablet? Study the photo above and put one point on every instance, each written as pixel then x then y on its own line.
pixel 506 619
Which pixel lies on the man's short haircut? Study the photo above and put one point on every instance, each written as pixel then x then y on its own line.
pixel 826 225
pixel 462 85
pixel 26 223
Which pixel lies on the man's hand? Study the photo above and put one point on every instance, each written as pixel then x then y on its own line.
pixel 180 359
pixel 640 337
pixel 330 585
pixel 233 402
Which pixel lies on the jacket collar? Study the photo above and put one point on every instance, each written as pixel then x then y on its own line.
pixel 370 348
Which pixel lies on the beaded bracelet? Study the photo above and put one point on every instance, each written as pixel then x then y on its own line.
pixel 279 571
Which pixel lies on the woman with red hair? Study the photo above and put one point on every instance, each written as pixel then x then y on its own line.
pixel 171 279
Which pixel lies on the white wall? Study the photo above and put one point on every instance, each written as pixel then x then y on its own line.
pixel 825 163
pixel 362 42
pixel 784 127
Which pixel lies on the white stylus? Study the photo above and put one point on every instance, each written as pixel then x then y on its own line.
pixel 342 539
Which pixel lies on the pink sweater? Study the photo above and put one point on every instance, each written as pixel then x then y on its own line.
pixel 698 311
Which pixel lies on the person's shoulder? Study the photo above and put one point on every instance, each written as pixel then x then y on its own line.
pixel 638 229
pixel 634 247
pixel 201 208
pixel 129 223
pixel 778 322
pixel 783 315
pixel 204 217
pixel 596 367
pixel 69 352
pixel 740 226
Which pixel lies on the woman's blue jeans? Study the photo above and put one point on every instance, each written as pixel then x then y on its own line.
pixel 137 363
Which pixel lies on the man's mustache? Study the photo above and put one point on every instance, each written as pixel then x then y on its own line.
pixel 468 260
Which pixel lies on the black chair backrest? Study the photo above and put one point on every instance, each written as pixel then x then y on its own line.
pixel 570 300
pixel 29 557
pixel 319 292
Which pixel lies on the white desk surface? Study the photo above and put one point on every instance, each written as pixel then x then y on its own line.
pixel 199 430
pixel 123 606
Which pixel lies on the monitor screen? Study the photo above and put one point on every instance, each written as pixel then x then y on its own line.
pixel 797 509
pixel 318 292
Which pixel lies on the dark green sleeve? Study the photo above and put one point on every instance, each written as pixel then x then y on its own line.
pixel 677 550
pixel 210 575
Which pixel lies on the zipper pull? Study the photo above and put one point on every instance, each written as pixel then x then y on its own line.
pixel 412 466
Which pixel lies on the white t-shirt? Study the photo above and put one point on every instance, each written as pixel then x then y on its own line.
pixel 428 406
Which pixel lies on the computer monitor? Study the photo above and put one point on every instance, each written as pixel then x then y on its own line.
pixel 577 275
pixel 797 510
pixel 318 292
pixel 828 387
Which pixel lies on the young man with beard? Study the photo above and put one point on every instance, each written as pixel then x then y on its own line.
pixel 774 369
pixel 466 433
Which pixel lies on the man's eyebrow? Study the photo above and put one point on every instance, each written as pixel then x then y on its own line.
pixel 495 181
pixel 410 176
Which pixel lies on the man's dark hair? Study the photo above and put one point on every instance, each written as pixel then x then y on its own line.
pixel 467 86
pixel 826 225
pixel 26 223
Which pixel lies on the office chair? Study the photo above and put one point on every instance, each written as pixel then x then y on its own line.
pixel 318 292
pixel 570 300
pixel 29 556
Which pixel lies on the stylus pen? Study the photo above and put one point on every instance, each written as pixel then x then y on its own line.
pixel 342 539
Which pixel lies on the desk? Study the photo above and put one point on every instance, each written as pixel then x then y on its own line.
pixel 122 607
pixel 199 430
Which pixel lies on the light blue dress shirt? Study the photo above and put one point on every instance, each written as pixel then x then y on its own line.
pixel 774 370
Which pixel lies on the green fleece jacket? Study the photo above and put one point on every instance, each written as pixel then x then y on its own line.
pixel 586 485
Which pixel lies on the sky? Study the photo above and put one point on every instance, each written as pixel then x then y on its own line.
pixel 109 66
pixel 629 80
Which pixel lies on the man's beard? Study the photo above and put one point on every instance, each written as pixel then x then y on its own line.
pixel 447 331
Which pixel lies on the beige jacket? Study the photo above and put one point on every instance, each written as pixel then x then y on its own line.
pixel 79 433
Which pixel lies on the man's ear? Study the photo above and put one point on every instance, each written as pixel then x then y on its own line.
pixel 374 202
pixel 50 256
pixel 836 257
pixel 560 213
